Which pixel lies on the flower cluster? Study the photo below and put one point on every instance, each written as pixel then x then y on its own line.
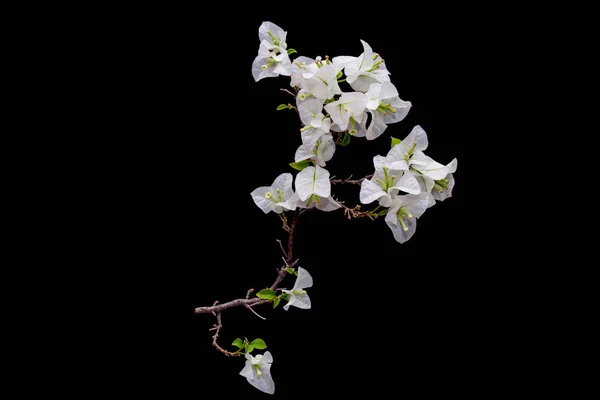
pixel 407 169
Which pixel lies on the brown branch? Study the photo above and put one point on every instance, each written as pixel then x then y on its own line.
pixel 355 212
pixel 217 328
pixel 350 181
pixel 280 275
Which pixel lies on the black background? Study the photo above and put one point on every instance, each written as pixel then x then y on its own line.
pixel 385 316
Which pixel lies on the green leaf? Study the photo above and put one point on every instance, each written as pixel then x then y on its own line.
pixel 282 107
pixel 291 51
pixel 290 270
pixel 276 302
pixel 258 344
pixel 395 141
pixel 346 140
pixel 339 75
pixel 238 343
pixel 250 348
pixel 300 165
pixel 296 273
pixel 266 294
pixel 285 296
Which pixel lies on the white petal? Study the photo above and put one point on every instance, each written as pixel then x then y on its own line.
pixel 309 107
pixel 378 162
pixel 408 183
pixel 400 165
pixel 373 96
pixel 328 204
pixel 304 152
pixel 305 183
pixel 335 112
pixel 290 302
pixel 258 195
pixel 399 233
pixel 322 185
pixel 311 135
pixel 304 280
pixel 441 196
pixel 279 33
pixel 267 358
pixel 420 138
pixel 247 371
pixel 402 109
pixel 388 90
pixel 257 71
pixel 370 191
pixel 377 127
pixel 284 183
pixel 415 204
pixel 326 149
pixel 452 166
pixel 340 62
pixel 302 301
pixel 291 203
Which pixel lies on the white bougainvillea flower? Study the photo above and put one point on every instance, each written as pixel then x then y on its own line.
pixel 321 151
pixel 300 67
pixel 273 35
pixel 298 296
pixel 348 111
pixel 440 189
pixel 314 189
pixel 320 80
pixel 403 213
pixel 277 197
pixel 385 107
pixel 386 184
pixel 367 69
pixel 316 125
pixel 258 372
pixel 313 181
pixel 270 62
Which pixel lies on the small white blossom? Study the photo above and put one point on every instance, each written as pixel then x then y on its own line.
pixel 403 213
pixel 258 372
pixel 311 115
pixel 321 81
pixel 277 197
pixel 300 67
pixel 273 35
pixel 367 69
pixel 298 296
pixel 385 107
pixel 348 110
pixel 314 189
pixel 321 151
pixel 270 62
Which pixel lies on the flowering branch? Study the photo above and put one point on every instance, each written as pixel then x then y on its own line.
pixel 405 183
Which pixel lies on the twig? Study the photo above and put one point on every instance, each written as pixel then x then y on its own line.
pixel 248 294
pixel 217 329
pixel 355 212
pixel 281 247
pixel 350 181
pixel 255 313
pixel 285 90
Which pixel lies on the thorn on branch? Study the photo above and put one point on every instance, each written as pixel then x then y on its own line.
pixel 255 313
pixel 249 292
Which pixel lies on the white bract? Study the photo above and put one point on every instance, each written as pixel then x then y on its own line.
pixel 385 107
pixel 403 213
pixel 299 67
pixel 298 296
pixel 277 197
pixel 365 70
pixel 314 189
pixel 320 80
pixel 440 189
pixel 321 151
pixel 311 115
pixel 258 372
pixel 272 59
pixel 273 35
pixel 348 111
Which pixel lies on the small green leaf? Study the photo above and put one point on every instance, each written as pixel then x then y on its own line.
pixel 291 51
pixel 258 344
pixel 276 302
pixel 395 141
pixel 296 273
pixel 250 348
pixel 300 165
pixel 290 270
pixel 238 343
pixel 346 140
pixel 266 294
pixel 285 296
pixel 339 75
pixel 282 107
pixel 382 213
